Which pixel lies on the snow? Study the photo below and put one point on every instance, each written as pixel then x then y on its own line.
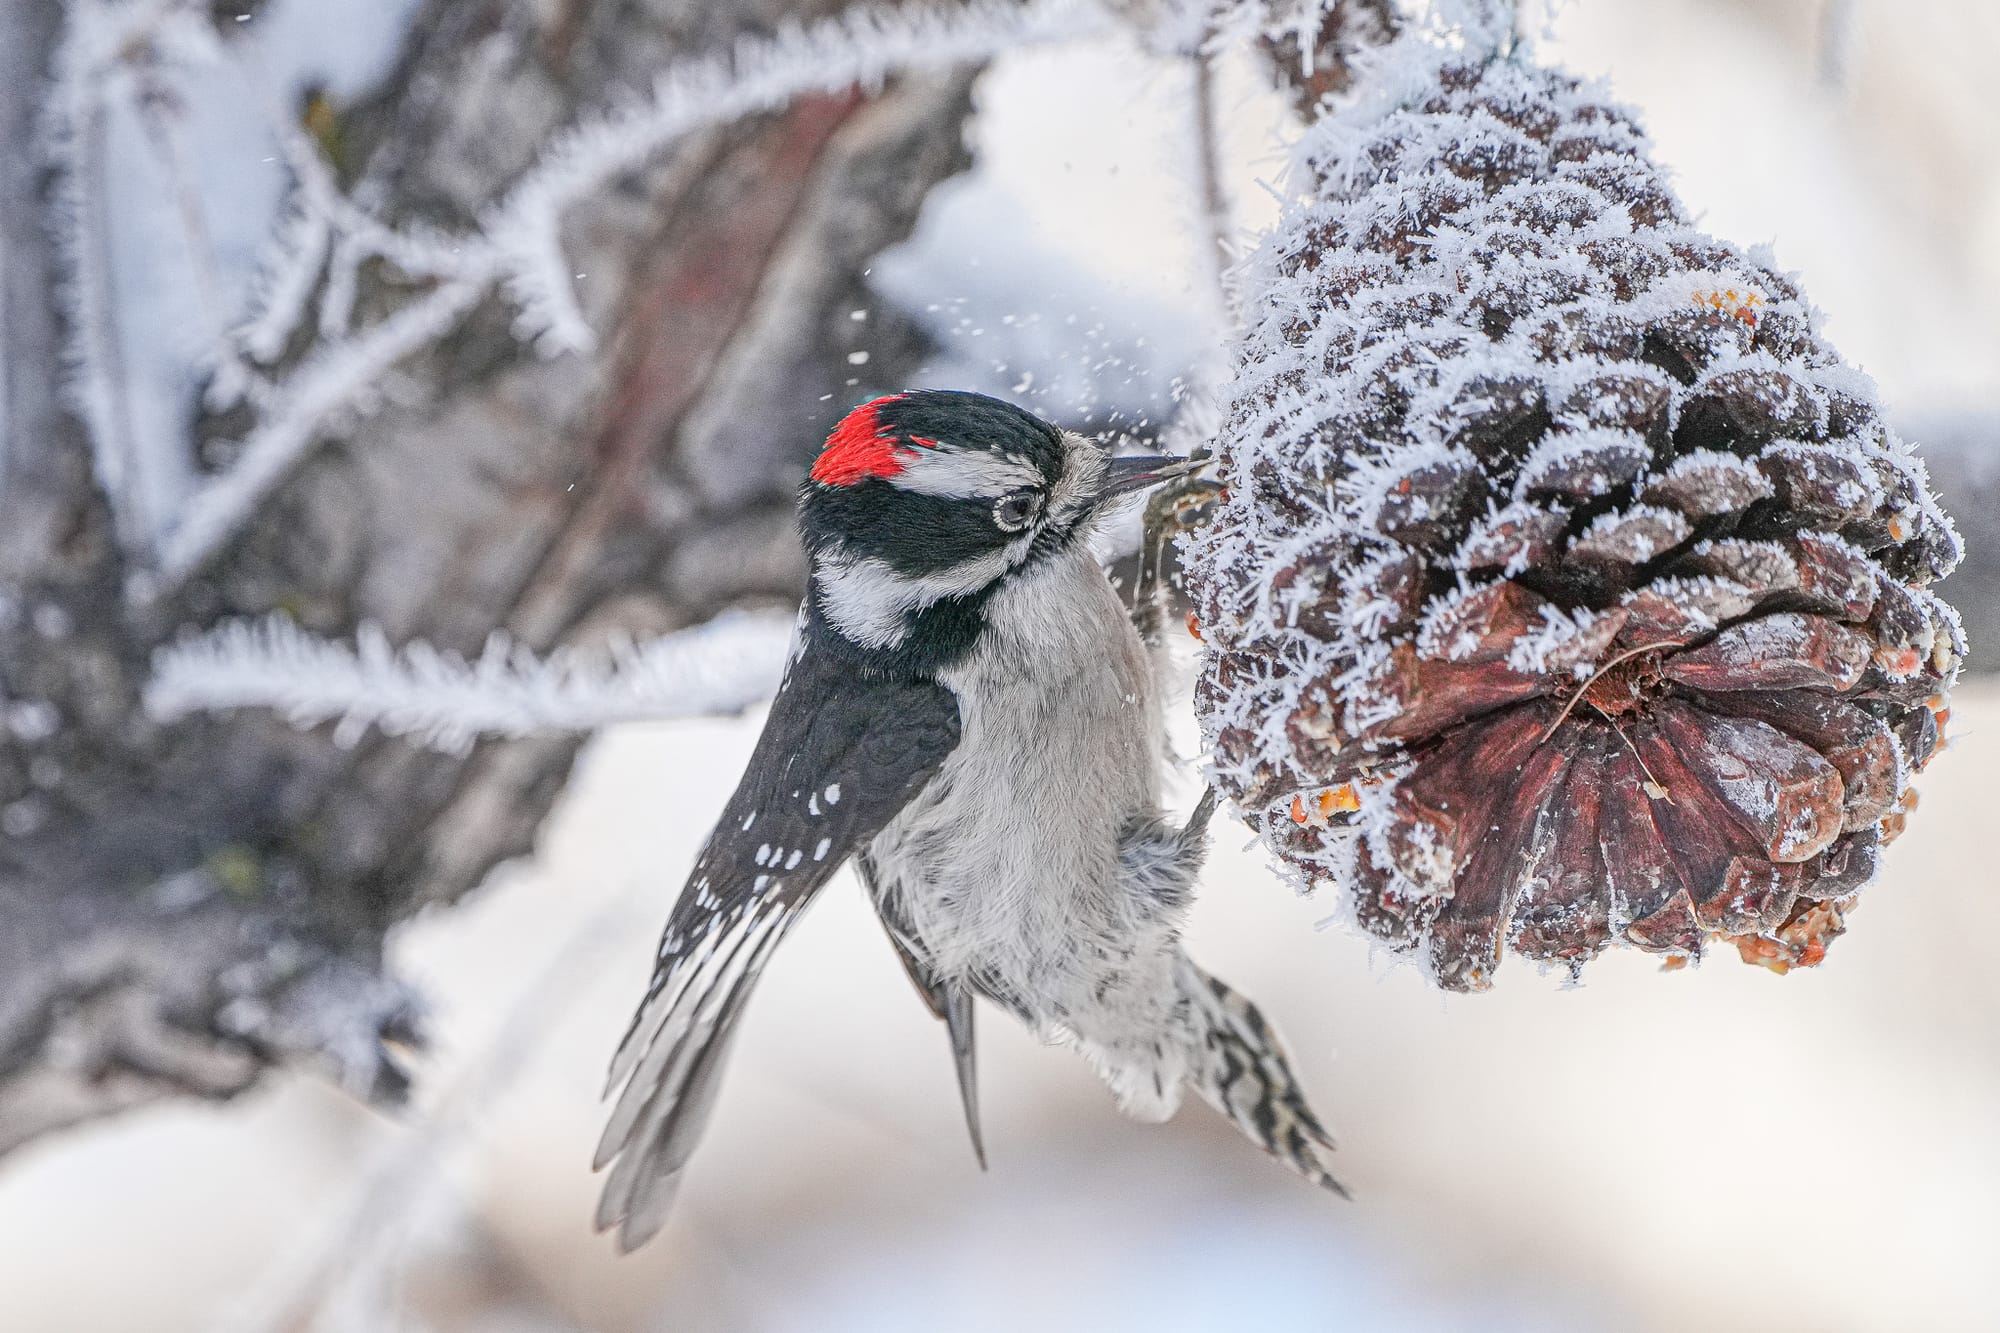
pixel 1564 641
pixel 1708 482
pixel 1454 625
pixel 1947 628
pixel 1586 463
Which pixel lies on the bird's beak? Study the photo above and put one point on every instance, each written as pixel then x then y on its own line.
pixel 1139 471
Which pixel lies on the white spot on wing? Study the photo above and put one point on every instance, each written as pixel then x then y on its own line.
pixel 819 852
pixel 833 793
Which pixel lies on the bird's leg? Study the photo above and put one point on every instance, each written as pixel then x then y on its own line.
pixel 1158 598
pixel 1195 831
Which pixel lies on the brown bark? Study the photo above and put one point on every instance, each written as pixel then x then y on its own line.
pixel 184 906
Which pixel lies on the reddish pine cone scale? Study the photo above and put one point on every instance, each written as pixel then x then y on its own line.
pixel 1567 590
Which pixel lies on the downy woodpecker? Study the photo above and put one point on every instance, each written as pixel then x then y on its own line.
pixel 968 716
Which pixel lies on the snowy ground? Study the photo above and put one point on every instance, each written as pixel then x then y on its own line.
pixel 1720 1149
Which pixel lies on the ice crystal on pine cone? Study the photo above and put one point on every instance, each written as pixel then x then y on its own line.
pixel 1567 589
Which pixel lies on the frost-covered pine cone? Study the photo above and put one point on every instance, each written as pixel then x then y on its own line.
pixel 1567 589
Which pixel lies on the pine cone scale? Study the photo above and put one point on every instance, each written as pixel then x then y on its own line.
pixel 1786 651
pixel 1642 879
pixel 1782 791
pixel 1466 938
pixel 1561 917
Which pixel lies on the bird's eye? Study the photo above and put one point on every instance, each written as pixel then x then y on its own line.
pixel 1011 513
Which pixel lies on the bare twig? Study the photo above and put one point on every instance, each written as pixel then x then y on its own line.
pixel 1839 27
pixel 336 378
pixel 1208 172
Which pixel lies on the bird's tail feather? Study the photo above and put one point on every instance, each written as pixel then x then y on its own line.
pixel 958 1019
pixel 675 1054
pixel 1239 1067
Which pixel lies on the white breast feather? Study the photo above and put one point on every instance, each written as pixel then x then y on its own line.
pixel 1011 853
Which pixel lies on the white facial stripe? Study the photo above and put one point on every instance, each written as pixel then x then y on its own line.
pixel 867 600
pixel 965 472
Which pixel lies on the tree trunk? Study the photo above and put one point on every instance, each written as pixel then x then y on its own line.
pixel 184 906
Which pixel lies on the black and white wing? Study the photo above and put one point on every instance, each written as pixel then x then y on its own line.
pixel 840 755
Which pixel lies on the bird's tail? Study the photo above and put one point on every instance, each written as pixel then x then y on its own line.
pixel 1238 1066
pixel 670 1065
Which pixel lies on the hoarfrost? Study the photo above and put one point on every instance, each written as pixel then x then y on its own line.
pixel 444 701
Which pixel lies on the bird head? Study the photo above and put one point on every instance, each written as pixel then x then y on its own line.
pixel 922 504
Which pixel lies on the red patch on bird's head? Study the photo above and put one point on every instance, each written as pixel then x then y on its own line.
pixel 861 447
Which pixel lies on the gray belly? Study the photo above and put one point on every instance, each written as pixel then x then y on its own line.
pixel 1005 869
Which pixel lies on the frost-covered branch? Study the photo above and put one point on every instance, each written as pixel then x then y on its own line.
pixel 73 143
pixel 289 275
pixel 192 905
pixel 119 59
pixel 861 47
pixel 342 376
pixel 327 237
pixel 174 521
pixel 444 701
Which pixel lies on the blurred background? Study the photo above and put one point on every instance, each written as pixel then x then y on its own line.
pixel 1718 1148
